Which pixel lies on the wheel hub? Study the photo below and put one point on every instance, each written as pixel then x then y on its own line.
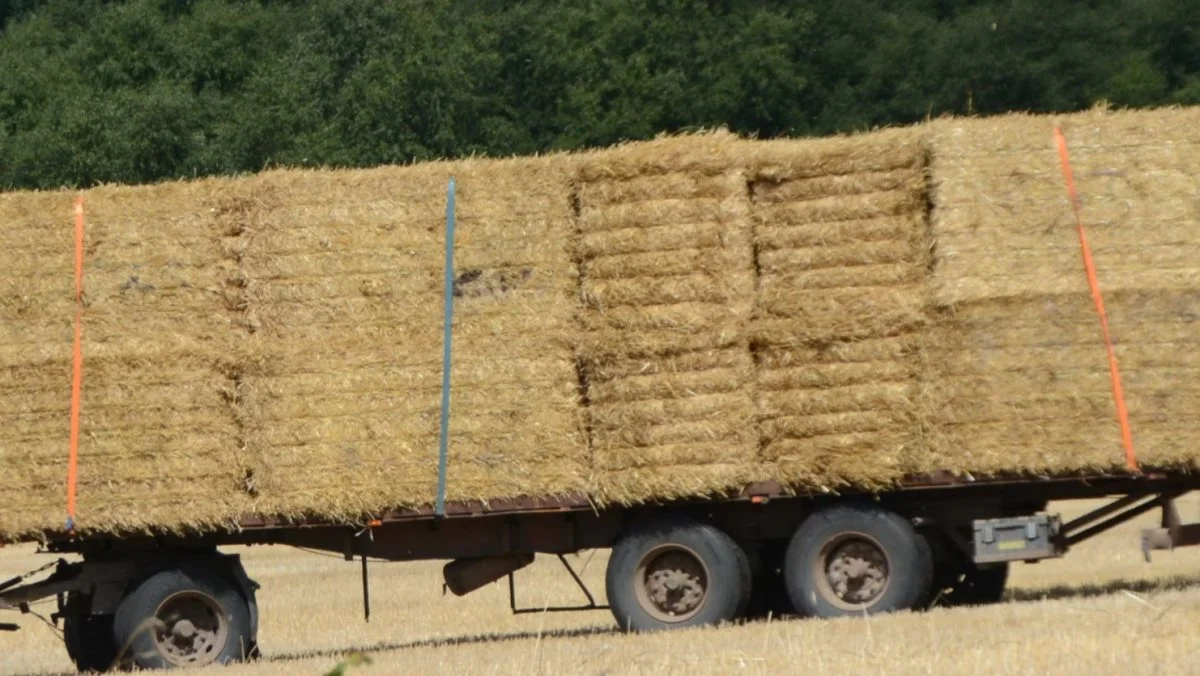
pixel 184 629
pixel 673 584
pixel 191 629
pixel 855 572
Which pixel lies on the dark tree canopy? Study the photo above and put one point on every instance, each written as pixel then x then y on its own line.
pixel 145 90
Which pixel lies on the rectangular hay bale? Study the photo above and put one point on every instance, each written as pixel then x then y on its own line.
pixel 347 288
pixel 841 301
pixel 158 439
pixel 1019 378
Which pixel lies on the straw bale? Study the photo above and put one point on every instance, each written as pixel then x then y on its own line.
pixel 1009 370
pixel 665 319
pixel 1019 378
pixel 901 181
pixel 840 307
pixel 837 208
pixel 1003 197
pixel 346 283
pixel 771 235
pixel 663 386
pixel 667 279
pixel 646 309
pixel 658 482
pixel 689 261
pixel 666 364
pixel 660 290
pixel 158 443
pixel 663 239
pixel 789 317
pixel 789 160
pixel 838 257
pixel 703 154
pixel 1018 133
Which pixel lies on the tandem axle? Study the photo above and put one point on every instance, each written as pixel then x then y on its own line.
pixel 175 601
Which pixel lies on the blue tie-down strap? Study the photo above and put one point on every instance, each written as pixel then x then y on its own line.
pixel 444 437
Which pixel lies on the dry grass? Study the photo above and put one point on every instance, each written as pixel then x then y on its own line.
pixel 1099 610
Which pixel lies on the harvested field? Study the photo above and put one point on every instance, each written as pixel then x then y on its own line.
pixel 667 275
pixel 1101 609
pixel 158 443
pixel 1018 372
pixel 842 259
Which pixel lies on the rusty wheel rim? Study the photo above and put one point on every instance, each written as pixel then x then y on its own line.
pixel 192 629
pixel 852 571
pixel 672 582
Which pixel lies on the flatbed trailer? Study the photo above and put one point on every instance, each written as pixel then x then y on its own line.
pixel 169 600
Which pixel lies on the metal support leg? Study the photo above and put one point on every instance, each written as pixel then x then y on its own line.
pixel 1173 532
pixel 591 604
pixel 366 591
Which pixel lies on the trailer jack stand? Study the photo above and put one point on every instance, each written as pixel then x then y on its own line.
pixel 1173 533
pixel 591 604
pixel 366 589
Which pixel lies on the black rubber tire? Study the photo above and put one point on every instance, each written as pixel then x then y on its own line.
pixel 769 597
pixel 726 562
pixel 948 562
pixel 979 586
pixel 910 564
pixel 88 637
pixel 142 601
pixel 746 575
pixel 959 581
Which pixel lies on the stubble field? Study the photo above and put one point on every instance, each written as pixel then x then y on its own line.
pixel 1102 609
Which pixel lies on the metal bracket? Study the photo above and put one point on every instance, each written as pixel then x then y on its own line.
pixel 591 605
pixel 1173 532
pixel 65 577
pixel 12 582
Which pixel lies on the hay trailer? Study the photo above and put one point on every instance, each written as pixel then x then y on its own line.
pixel 172 601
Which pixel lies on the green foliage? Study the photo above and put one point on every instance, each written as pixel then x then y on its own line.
pixel 351 660
pixel 144 90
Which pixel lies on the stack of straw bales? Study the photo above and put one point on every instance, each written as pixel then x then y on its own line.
pixel 1019 376
pixel 346 298
pixel 842 256
pixel 158 443
pixel 666 319
pixel 667 273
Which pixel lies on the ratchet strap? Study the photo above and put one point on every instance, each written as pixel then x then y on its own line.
pixel 1089 266
pixel 76 368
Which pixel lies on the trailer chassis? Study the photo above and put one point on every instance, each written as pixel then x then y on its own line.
pixel 673 564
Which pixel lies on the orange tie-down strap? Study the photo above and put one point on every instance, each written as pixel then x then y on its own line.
pixel 76 368
pixel 1089 266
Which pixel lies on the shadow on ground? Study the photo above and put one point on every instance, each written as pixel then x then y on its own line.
pixel 447 641
pixel 1064 592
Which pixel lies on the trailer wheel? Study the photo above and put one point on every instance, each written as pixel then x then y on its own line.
pixel 958 580
pixel 183 617
pixel 675 574
pixel 851 560
pixel 768 596
pixel 88 637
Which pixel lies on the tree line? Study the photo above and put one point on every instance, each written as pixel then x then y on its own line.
pixel 144 90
